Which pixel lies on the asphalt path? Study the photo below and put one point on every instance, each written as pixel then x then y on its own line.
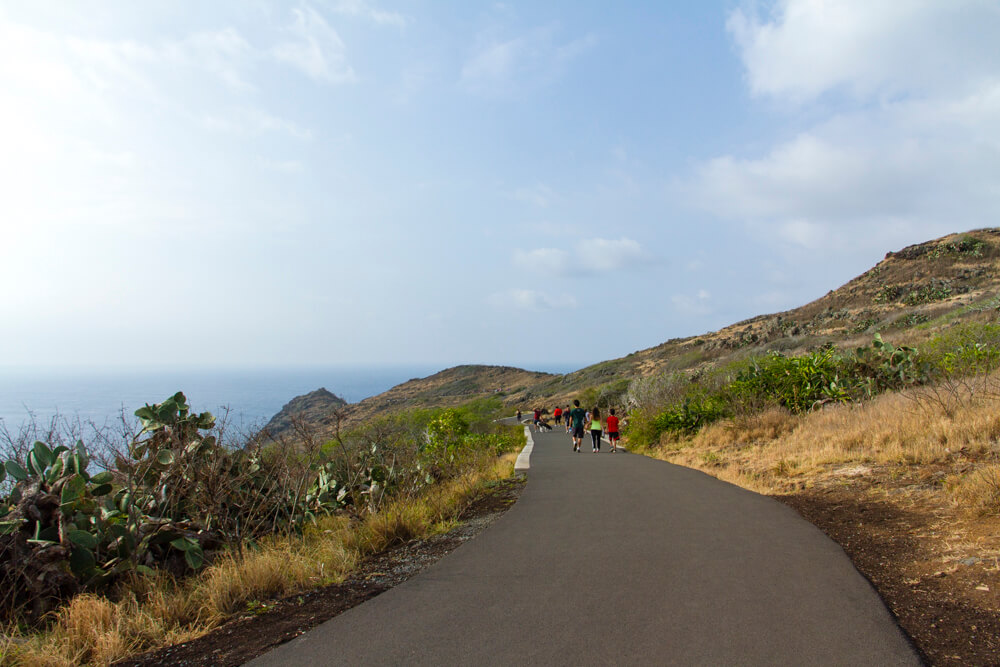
pixel 621 559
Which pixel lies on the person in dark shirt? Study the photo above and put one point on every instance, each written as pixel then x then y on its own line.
pixel 579 416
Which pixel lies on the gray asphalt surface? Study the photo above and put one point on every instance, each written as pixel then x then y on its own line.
pixel 621 559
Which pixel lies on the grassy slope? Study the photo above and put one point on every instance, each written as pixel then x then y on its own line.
pixel 847 316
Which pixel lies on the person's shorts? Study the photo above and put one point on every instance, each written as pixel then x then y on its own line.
pixel 577 431
pixel 613 435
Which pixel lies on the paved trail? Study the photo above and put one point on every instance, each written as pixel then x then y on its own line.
pixel 620 559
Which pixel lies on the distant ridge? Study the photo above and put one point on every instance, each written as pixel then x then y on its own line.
pixel 312 408
pixel 902 297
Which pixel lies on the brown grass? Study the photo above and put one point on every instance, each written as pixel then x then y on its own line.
pixel 978 494
pixel 775 451
pixel 159 611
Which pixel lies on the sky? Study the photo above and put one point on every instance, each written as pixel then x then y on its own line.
pixel 249 183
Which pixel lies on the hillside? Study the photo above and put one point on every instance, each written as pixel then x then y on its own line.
pixel 906 296
pixel 313 407
pixel 449 387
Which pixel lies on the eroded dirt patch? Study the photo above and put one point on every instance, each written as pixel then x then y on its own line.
pixel 276 622
pixel 945 595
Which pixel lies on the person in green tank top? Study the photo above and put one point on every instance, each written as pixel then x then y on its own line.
pixel 595 428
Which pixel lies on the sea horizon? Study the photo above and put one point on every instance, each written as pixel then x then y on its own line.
pixel 250 395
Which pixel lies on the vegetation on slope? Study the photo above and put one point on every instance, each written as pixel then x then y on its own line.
pixel 907 297
pixel 889 382
pixel 180 530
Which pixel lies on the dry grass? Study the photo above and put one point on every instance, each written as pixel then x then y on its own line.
pixel 978 494
pixel 154 612
pixel 776 451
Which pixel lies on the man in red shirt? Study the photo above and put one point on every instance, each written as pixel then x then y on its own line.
pixel 613 435
pixel 557 414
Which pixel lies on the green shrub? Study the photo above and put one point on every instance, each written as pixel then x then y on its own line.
pixel 887 294
pixel 911 320
pixel 882 367
pixel 969 349
pixel 964 245
pixel 863 325
pixel 796 383
pixel 935 290
pixel 691 414
pixel 176 495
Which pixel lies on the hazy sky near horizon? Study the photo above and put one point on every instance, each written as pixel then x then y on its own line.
pixel 405 181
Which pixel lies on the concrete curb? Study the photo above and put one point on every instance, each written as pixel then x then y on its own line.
pixel 524 458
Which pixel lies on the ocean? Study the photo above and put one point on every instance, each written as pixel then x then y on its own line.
pixel 253 396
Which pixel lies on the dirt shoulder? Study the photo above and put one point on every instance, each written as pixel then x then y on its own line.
pixel 938 572
pixel 272 623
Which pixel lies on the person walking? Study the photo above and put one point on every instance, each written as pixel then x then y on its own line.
pixel 613 434
pixel 596 429
pixel 557 415
pixel 519 415
pixel 579 415
pixel 568 418
pixel 538 420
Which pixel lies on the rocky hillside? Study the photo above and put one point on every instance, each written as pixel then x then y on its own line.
pixel 906 296
pixel 451 387
pixel 445 388
pixel 314 408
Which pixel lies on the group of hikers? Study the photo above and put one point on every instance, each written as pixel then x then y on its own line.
pixel 578 422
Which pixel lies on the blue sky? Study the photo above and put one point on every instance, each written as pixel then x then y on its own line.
pixel 353 181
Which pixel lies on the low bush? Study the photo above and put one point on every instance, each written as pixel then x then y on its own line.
pixel 684 404
pixel 796 383
pixel 972 348
pixel 690 414
pixel 176 497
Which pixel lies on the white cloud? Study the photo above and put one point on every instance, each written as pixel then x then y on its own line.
pixel 283 166
pixel 697 304
pixel 539 195
pixel 549 228
pixel 804 48
pixel 316 49
pixel 929 163
pixel 248 120
pixel 225 53
pixel 915 147
pixel 531 300
pixel 500 66
pixel 544 260
pixel 587 257
pixel 361 8
pixel 601 255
